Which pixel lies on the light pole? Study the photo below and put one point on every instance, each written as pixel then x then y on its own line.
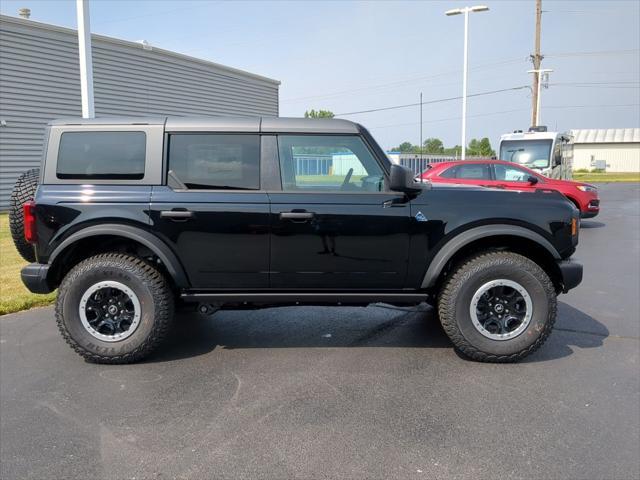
pixel 539 73
pixel 86 62
pixel 465 11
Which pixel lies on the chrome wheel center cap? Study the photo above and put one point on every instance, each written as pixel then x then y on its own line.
pixel 499 308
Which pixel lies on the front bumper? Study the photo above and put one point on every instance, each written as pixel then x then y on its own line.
pixel 34 277
pixel 593 208
pixel 571 272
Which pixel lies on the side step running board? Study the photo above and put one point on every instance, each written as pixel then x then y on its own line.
pixel 315 298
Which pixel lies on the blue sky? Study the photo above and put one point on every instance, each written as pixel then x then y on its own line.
pixel 354 56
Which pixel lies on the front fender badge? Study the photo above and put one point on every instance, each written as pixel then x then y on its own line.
pixel 420 217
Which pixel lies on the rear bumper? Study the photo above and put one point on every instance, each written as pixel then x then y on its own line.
pixel 34 277
pixel 571 274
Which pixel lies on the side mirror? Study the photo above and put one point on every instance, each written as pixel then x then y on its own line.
pixel 532 179
pixel 401 180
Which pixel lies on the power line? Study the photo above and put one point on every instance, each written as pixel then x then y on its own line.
pixel 631 85
pixel 404 82
pixel 615 82
pixel 595 53
pixel 436 120
pixel 595 11
pixel 501 112
pixel 606 105
pixel 440 100
pixel 491 65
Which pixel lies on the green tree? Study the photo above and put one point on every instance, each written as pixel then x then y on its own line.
pixel 404 147
pixel 480 148
pixel 318 114
pixel 433 146
pixel 452 151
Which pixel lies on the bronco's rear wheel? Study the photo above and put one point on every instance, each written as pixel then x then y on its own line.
pixel 114 308
pixel 497 307
pixel 23 191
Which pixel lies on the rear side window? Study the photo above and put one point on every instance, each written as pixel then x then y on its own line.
pixel 215 161
pixel 102 155
pixel 472 171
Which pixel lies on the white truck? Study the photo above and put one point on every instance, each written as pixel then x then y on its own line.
pixel 550 153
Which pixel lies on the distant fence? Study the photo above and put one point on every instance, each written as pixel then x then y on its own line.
pixel 328 165
pixel 341 164
pixel 419 164
pixel 313 164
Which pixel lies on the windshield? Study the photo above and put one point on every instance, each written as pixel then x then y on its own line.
pixel 530 153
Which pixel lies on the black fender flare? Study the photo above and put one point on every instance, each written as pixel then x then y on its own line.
pixel 450 248
pixel 149 240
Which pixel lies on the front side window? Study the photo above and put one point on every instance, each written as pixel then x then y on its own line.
pixel 328 163
pixel 472 171
pixel 101 155
pixel 215 161
pixel 511 174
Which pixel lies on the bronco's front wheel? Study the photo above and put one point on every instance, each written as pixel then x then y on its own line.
pixel 114 308
pixel 498 307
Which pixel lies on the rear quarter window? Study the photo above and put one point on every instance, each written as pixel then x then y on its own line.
pixel 101 155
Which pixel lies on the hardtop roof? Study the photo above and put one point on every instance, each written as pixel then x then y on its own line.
pixel 225 124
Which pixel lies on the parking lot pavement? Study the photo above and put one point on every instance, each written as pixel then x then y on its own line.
pixel 342 392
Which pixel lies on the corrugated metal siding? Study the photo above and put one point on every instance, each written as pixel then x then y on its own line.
pixel 620 157
pixel 607 135
pixel 40 81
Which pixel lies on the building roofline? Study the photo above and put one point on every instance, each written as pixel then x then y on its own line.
pixel 128 43
pixel 606 135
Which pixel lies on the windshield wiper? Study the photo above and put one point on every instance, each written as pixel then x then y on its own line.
pixel 513 152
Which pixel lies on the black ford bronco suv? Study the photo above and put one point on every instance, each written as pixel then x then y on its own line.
pixel 127 217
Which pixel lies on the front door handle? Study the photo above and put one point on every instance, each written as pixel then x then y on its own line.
pixel 176 215
pixel 297 216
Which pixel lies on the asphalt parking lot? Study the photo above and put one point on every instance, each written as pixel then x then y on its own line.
pixel 342 392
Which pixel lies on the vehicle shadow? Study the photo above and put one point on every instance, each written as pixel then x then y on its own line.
pixel 573 328
pixel 349 327
pixel 591 224
pixel 377 325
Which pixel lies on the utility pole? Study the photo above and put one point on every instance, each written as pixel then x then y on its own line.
pixel 539 75
pixel 86 63
pixel 536 59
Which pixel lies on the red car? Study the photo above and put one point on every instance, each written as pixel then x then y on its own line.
pixel 499 174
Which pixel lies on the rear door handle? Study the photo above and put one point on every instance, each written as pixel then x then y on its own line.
pixel 176 215
pixel 297 216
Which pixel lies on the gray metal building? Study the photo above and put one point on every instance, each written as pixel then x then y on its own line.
pixel 40 81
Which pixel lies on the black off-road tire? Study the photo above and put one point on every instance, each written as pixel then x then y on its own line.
pixel 456 295
pixel 149 285
pixel 23 191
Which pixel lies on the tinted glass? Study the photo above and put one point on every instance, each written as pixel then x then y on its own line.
pixel 530 153
pixel 101 155
pixel 216 161
pixel 325 162
pixel 473 171
pixel 511 174
pixel 449 172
